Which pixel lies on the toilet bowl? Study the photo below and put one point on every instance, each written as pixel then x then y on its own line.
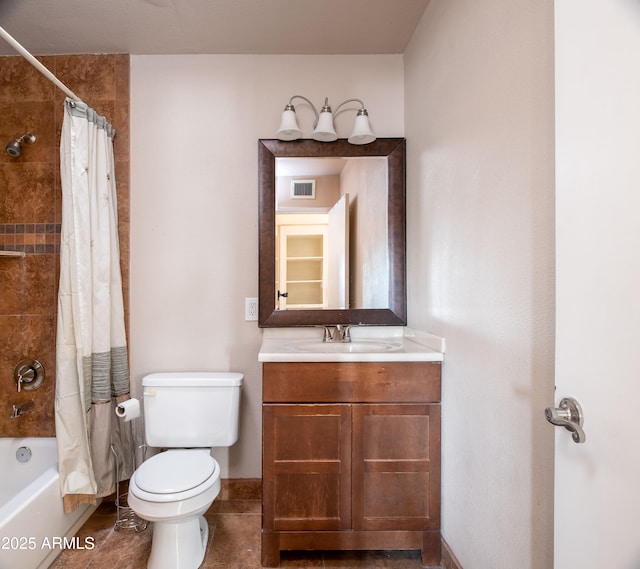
pixel 174 489
pixel 187 413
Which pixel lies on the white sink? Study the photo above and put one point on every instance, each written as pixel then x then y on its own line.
pixel 355 346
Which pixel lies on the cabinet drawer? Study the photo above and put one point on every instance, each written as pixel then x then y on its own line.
pixel 351 382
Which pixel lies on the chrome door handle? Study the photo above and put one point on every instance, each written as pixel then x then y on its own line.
pixel 569 416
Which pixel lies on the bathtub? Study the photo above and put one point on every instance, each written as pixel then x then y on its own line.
pixel 33 526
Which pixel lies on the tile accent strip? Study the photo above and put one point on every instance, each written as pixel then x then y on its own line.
pixel 30 237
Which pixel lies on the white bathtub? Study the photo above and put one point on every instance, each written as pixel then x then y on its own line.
pixel 33 526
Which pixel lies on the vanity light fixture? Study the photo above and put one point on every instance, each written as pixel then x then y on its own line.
pixel 323 129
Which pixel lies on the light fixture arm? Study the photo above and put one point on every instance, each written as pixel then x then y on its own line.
pixel 349 101
pixel 290 107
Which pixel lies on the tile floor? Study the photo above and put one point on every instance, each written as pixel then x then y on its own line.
pixel 234 543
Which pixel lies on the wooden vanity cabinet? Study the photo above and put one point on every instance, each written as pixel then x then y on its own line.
pixel 351 457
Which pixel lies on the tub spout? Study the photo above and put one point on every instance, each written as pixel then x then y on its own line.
pixel 18 410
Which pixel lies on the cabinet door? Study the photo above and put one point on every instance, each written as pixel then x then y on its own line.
pixel 306 472
pixel 396 467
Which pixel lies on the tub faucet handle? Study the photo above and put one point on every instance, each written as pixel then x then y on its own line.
pixel 28 374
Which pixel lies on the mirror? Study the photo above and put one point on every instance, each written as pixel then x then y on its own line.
pixel 350 270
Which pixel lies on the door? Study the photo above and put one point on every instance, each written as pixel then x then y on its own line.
pixel 597 484
pixel 338 255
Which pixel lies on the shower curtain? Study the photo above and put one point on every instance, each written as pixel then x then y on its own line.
pixel 92 373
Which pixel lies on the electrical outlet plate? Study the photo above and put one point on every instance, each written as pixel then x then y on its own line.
pixel 250 309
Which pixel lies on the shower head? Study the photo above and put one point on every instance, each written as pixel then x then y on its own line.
pixel 14 148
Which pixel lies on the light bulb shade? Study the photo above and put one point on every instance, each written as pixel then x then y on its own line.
pixel 362 133
pixel 289 129
pixel 324 131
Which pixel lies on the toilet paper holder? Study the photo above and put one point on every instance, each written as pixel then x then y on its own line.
pixel 128 409
pixel 126 518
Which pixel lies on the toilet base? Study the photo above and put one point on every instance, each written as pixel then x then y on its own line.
pixel 179 544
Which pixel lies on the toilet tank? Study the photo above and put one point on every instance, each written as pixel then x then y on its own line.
pixel 191 409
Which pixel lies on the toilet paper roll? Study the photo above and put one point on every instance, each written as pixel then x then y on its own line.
pixel 129 409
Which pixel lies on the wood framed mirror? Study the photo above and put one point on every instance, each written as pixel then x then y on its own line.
pixel 386 305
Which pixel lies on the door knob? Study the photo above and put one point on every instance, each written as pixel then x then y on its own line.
pixel 569 416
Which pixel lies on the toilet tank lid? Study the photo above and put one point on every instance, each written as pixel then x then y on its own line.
pixel 193 378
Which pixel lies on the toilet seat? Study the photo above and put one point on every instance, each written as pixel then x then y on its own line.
pixel 175 471
pixel 175 475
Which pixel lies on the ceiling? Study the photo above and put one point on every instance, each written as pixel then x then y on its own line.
pixel 309 166
pixel 47 27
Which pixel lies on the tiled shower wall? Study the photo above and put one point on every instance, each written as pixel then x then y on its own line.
pixel 30 214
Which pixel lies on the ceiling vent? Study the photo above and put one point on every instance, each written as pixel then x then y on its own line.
pixel 303 189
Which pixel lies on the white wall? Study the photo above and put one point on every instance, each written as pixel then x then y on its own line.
pixel 479 127
pixel 365 180
pixel 195 122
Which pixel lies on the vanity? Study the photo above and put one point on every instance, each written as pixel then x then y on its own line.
pixel 351 444
pixel 351 428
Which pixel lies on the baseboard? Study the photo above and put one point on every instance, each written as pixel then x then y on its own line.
pixel 241 489
pixel 449 560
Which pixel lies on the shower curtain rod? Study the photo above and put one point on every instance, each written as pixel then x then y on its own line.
pixel 41 68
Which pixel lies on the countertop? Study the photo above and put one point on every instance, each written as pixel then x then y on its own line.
pixel 369 344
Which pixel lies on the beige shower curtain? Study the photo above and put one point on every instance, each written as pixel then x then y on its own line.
pixel 91 351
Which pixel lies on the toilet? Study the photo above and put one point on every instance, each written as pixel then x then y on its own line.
pixel 187 413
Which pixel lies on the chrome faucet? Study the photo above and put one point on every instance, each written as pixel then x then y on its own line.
pixel 336 333
pixel 18 410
